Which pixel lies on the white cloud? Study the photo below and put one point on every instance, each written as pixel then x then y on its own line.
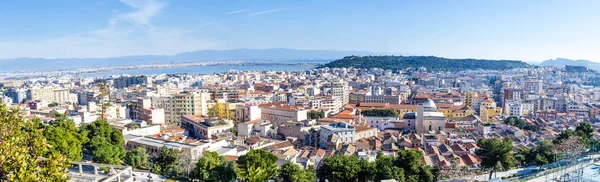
pixel 266 12
pixel 237 11
pixel 127 33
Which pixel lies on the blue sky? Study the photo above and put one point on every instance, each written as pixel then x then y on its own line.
pixel 494 29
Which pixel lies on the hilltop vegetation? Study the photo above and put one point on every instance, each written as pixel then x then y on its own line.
pixel 429 62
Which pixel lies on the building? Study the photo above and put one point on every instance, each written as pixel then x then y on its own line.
pixel 257 127
pixel 426 119
pixel 344 132
pixel 18 96
pixel 127 81
pixel 153 146
pixel 205 128
pixel 279 113
pixel 247 113
pixel 340 89
pixel 45 94
pixel 534 86
pixel 144 111
pixel 488 110
pixel 185 103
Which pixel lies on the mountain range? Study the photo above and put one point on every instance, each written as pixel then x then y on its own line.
pixel 561 62
pixel 276 54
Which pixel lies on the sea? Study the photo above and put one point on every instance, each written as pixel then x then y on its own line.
pixel 199 70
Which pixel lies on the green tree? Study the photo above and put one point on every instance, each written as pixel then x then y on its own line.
pixel 106 144
pixel 137 158
pixel 65 138
pixel 211 167
pixel 495 151
pixel 340 168
pixel 257 166
pixel 167 162
pixel 367 171
pixel 22 148
pixel 385 169
pixel 414 170
pixel 293 173
pixel 315 114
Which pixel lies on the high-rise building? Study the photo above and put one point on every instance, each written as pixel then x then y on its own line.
pixel 45 94
pixel 17 95
pixel 124 82
pixel 533 86
pixel 340 89
pixel 185 103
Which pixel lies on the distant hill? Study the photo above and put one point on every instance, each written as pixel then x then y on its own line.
pixel 429 62
pixel 284 55
pixel 562 62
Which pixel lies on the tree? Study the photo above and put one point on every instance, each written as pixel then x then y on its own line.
pixel 315 114
pixel 167 162
pixel 106 144
pixel 65 138
pixel 293 173
pixel 495 151
pixel 340 168
pixel 410 162
pixel 367 171
pixel 22 148
pixel 137 158
pixel 211 167
pixel 380 113
pixel 257 165
pixel 385 169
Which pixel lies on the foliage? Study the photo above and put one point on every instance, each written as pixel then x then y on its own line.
pixel 65 138
pixel 257 165
pixel 495 153
pixel 540 155
pixel 519 123
pixel 315 114
pixel 385 169
pixel 414 169
pixel 340 168
pixel 379 113
pixel 54 104
pixel 211 167
pixel 167 162
pixel 22 147
pixel 429 62
pixel 293 173
pixel 137 158
pixel 220 110
pixel 583 130
pixel 106 144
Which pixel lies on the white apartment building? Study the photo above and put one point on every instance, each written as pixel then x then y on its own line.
pixel 279 114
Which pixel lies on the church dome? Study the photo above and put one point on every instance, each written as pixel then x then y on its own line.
pixel 429 104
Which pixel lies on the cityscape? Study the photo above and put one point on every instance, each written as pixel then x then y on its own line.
pixel 261 114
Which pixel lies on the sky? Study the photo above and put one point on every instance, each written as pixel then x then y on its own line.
pixel 525 30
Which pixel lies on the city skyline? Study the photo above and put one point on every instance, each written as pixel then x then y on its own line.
pixel 514 30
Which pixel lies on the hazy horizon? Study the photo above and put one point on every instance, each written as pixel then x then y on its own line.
pixel 512 30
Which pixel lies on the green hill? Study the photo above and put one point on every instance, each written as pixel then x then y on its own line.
pixel 429 62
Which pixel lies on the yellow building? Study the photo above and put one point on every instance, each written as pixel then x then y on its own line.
pixel 488 110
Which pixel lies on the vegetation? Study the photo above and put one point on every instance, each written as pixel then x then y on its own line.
pixel 137 158
pixel 167 163
pixel 540 155
pixel 105 144
pixel 380 113
pixel 519 123
pixel 406 167
pixel 293 173
pixel 496 153
pixel 211 167
pixel 315 114
pixel 54 104
pixel 23 149
pixel 429 62
pixel 64 137
pixel 257 166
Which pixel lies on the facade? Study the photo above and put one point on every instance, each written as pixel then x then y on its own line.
pixel 153 146
pixel 344 133
pixel 17 95
pixel 282 113
pixel 205 128
pixel 126 81
pixel 185 103
pixel 340 89
pixel 428 119
pixel 534 86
